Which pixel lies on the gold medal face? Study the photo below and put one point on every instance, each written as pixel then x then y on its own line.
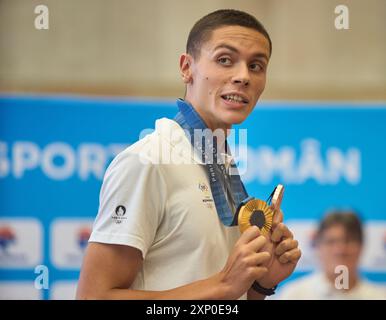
pixel 256 212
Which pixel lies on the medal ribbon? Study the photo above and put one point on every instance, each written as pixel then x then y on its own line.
pixel 228 190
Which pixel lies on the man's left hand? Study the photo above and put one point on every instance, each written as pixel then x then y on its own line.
pixel 285 253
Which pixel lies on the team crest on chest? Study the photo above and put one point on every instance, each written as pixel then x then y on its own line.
pixel 206 194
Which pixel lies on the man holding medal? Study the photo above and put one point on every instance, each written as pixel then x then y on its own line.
pixel 172 205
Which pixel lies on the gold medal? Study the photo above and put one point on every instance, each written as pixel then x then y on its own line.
pixel 256 212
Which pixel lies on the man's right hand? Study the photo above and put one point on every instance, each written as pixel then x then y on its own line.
pixel 245 263
pixel 109 270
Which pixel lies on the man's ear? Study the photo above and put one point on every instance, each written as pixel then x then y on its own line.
pixel 186 67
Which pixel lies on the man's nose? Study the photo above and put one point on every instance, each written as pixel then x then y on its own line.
pixel 242 75
pixel 340 247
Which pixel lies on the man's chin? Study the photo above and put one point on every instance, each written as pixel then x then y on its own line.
pixel 236 119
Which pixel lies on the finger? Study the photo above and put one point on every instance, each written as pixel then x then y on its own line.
pixel 292 256
pixel 277 216
pixel 257 244
pixel 251 233
pixel 286 245
pixel 281 231
pixel 260 258
pixel 258 272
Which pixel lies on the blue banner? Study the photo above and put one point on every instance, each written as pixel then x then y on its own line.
pixel 54 151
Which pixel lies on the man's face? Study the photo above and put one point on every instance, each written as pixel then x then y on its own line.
pixel 228 77
pixel 336 247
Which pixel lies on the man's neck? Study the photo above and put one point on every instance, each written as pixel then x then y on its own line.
pixel 212 125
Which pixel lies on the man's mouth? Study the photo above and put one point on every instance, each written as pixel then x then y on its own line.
pixel 234 98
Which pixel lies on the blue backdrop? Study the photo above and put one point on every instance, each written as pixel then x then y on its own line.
pixel 54 150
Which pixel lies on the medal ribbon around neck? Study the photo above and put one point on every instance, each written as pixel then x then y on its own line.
pixel 250 211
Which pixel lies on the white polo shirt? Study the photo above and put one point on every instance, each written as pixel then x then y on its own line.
pixel 166 210
pixel 316 286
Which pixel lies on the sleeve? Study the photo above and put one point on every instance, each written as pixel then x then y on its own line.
pixel 131 203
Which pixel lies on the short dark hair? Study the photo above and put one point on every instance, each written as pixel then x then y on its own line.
pixel 203 28
pixel 347 218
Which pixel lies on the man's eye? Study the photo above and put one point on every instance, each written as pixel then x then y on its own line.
pixel 256 67
pixel 224 61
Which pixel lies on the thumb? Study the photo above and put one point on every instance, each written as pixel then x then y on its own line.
pixel 277 216
pixel 248 235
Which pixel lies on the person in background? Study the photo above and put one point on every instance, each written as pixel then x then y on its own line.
pixel 339 243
